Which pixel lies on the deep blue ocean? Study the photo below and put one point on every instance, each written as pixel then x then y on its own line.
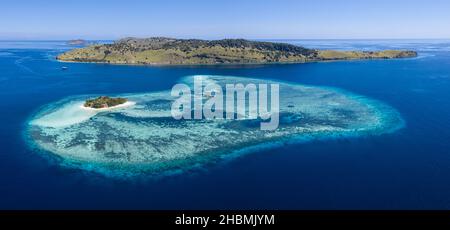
pixel 408 169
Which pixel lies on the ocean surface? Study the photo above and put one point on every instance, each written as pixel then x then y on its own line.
pixel 406 169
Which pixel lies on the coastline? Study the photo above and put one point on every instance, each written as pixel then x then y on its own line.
pixel 233 64
pixel 160 51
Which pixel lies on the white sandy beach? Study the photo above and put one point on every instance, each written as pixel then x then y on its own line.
pixel 73 113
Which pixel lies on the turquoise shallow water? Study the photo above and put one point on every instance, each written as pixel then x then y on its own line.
pixel 143 139
pixel 406 168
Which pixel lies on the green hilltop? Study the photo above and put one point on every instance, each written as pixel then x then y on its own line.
pixel 170 51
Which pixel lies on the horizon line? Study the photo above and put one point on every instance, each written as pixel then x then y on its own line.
pixel 256 39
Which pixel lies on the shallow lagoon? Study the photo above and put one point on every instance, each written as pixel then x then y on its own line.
pixel 144 139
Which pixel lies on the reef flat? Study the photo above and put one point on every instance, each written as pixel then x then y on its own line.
pixel 143 138
pixel 170 51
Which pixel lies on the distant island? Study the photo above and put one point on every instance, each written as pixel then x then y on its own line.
pixel 170 51
pixel 77 42
pixel 103 102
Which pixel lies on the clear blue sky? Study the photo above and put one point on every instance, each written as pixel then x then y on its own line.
pixel 210 19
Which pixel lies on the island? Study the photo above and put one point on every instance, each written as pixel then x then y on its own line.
pixel 77 42
pixel 103 102
pixel 171 51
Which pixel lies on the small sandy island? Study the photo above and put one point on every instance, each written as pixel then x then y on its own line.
pixel 79 111
pixel 126 104
pixel 106 103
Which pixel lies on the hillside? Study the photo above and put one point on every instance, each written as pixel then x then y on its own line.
pixel 169 51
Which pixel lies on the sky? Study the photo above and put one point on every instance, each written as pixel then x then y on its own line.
pixel 215 19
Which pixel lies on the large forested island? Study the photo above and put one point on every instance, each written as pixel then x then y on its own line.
pixel 170 51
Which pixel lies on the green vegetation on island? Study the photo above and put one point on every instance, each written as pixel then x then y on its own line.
pixel 104 102
pixel 169 51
